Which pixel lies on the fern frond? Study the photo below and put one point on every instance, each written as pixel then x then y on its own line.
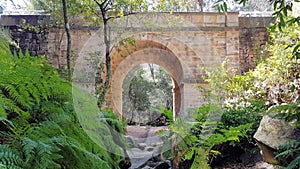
pixel 8 158
pixel 189 154
pixel 112 120
pixel 200 160
pixel 39 155
pixel 3 112
pixel 33 91
pixel 73 151
pixel 9 104
pixel 13 93
pixel 287 153
pixel 295 164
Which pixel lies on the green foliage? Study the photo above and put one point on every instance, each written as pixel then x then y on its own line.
pixel 30 154
pixel 242 117
pixel 4 41
pixel 75 147
pixel 197 138
pixel 274 81
pixel 164 84
pixel 217 77
pixel 288 154
pixel 112 120
pixel 144 91
pixel 273 85
pixel 234 118
pixel 9 159
pixel 290 112
pixel 167 112
pixel 28 85
pixel 150 88
pixel 282 12
pixel 139 89
pixel 39 128
pixel 38 154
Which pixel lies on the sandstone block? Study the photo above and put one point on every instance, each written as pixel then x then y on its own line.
pixel 273 132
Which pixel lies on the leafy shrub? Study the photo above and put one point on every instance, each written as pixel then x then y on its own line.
pixel 290 112
pixel 234 118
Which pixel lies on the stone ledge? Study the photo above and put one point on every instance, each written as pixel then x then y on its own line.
pixel 13 20
pixel 255 22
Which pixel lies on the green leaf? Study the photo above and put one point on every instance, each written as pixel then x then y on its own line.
pixel 285 11
pixel 189 154
pixel 295 51
pixel 225 6
pixel 3 113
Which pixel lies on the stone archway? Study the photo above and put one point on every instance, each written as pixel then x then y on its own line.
pixel 162 57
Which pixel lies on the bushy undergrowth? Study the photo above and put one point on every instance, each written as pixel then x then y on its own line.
pixel 240 101
pixel 198 138
pixel 289 154
pixel 39 128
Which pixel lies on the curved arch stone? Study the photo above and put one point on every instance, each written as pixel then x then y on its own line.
pixel 161 57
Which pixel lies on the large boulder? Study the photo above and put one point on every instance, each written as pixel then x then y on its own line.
pixel 271 133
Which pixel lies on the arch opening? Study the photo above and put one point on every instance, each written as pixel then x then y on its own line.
pixel 147 97
pixel 127 68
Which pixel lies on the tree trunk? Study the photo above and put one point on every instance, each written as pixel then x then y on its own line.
pixel 102 92
pixel 67 28
pixel 101 87
pixel 200 5
pixel 151 67
pixel 176 159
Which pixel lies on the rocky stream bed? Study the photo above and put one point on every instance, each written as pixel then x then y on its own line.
pixel 146 147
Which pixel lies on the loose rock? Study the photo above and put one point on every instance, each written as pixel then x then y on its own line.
pixel 273 132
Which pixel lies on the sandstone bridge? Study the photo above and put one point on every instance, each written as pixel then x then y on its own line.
pixel 180 43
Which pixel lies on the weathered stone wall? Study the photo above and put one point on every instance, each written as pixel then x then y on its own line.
pixel 253 37
pixel 26 37
pixel 35 42
pixel 57 46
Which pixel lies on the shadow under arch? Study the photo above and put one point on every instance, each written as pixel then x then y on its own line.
pixel 162 57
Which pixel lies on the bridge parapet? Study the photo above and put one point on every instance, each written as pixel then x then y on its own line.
pixel 211 19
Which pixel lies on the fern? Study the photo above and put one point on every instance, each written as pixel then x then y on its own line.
pixel 40 123
pixel 76 156
pixel 75 146
pixel 289 154
pixel 28 82
pixel 8 158
pixel 200 160
pixel 112 120
pixel 36 155
pixel 295 163
pixel 197 145
pixel 167 112
pixel 290 112
pixel 39 155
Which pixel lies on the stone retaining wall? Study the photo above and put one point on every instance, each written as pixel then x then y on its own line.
pixel 27 33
